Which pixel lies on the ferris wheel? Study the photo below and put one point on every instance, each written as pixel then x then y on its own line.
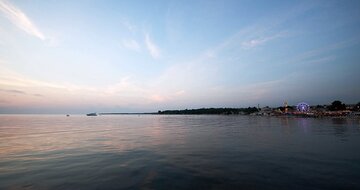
pixel 303 107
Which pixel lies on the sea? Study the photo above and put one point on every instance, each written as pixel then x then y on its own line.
pixel 178 152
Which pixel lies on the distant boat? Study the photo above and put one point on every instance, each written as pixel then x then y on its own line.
pixel 92 114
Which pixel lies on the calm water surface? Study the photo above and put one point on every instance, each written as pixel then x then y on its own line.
pixel 178 152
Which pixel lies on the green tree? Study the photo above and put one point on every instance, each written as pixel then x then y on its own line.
pixel 357 107
pixel 337 105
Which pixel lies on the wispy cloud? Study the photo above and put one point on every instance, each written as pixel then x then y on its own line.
pixel 321 60
pixel 131 27
pixel 38 95
pixel 324 53
pixel 19 18
pixel 152 47
pixel 19 90
pixel 13 91
pixel 259 41
pixel 131 44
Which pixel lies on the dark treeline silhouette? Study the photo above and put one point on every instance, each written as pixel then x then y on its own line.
pixel 218 111
pixel 334 106
pixel 337 106
pixel 357 107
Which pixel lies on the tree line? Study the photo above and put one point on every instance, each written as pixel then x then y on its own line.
pixel 334 106
pixel 212 111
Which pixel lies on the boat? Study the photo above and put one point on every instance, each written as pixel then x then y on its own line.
pixel 92 114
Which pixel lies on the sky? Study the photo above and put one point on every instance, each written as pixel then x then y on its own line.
pixel 143 56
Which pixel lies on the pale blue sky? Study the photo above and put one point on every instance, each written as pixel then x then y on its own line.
pixel 84 56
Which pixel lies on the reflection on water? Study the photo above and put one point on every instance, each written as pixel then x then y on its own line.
pixel 178 152
pixel 284 121
pixel 304 124
pixel 339 121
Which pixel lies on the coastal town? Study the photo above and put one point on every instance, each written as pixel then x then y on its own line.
pixel 335 109
pixel 302 109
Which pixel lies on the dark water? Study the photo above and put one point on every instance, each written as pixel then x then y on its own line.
pixel 178 152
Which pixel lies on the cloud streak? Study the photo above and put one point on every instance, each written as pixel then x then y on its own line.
pixel 259 41
pixel 19 18
pixel 131 44
pixel 324 53
pixel 128 25
pixel 152 47
pixel 13 91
